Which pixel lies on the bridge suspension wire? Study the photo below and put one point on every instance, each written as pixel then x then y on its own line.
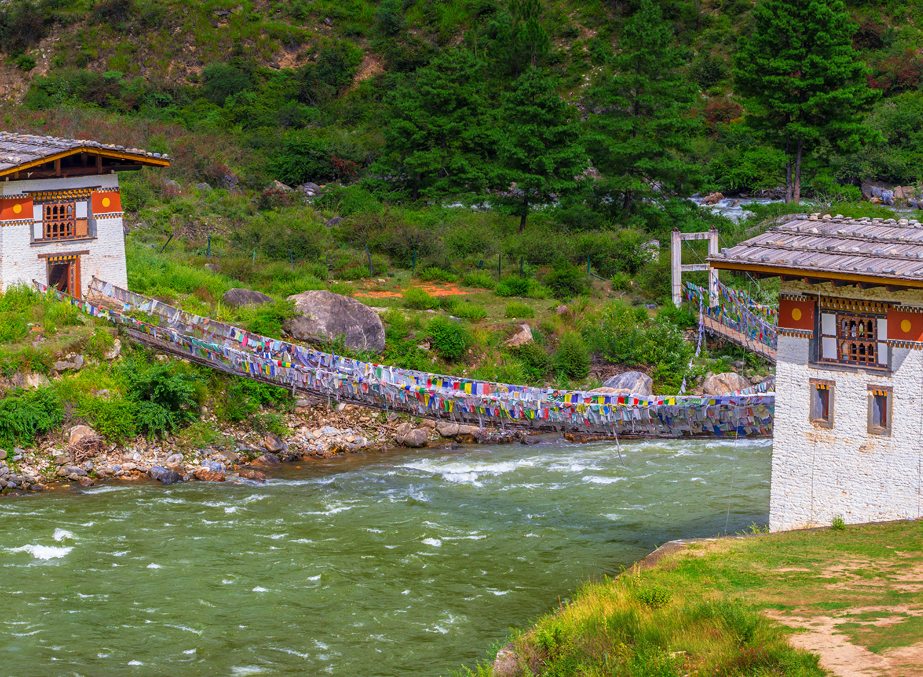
pixel 230 349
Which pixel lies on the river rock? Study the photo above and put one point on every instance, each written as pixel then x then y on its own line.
pixel 251 474
pixel 85 482
pixel 273 443
pixel 2 455
pixel 722 384
pixel 415 439
pixel 266 460
pixel 206 475
pixel 74 470
pixel 712 199
pixel 245 297
pixel 447 429
pixel 324 316
pixel 520 338
pixel 164 475
pixel 629 383
pixel 231 457
pixel 174 459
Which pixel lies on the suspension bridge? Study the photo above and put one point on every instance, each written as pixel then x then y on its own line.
pixel 337 378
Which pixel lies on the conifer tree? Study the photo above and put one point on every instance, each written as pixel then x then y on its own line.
pixel 643 123
pixel 538 146
pixel 435 134
pixel 802 80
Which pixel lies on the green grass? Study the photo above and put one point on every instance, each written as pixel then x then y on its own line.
pixel 700 611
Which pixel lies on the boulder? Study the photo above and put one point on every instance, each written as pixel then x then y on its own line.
pixel 79 432
pixel 904 192
pixel 309 188
pixel 278 185
pixel 712 199
pixel 71 362
pixel 630 383
pixel 203 186
pixel 722 384
pixel 266 460
pixel 324 316
pixel 174 459
pixel 415 439
pixel 74 470
pixel 2 455
pixel 520 338
pixel 245 297
pixel 334 221
pixel 251 474
pixel 447 429
pixel 206 475
pixel 562 311
pixel 170 183
pixel 114 351
pixel 273 443
pixel 164 475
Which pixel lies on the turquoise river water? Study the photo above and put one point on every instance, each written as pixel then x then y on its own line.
pixel 399 563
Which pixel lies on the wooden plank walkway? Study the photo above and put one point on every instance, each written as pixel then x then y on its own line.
pixel 734 336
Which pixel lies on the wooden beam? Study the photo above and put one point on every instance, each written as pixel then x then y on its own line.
pixel 869 285
pixel 778 271
pixel 843 283
pixel 99 164
pixel 57 167
pixel 816 280
pixel 790 278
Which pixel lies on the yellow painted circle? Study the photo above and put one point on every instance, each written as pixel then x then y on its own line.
pixel 106 202
pixel 905 326
pixel 17 209
pixel 796 314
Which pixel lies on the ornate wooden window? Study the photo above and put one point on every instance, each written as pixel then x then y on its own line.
pixel 851 338
pixel 59 220
pixel 821 409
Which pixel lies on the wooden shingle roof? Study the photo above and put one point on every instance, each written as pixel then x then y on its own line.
pixel 21 151
pixel 882 251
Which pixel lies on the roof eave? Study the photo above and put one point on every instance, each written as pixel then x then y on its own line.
pixel 91 150
pixel 817 274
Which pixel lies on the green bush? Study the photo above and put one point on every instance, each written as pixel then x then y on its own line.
pixel 519 310
pixel 27 415
pixel 12 327
pixel 418 299
pixel 479 279
pixel 566 281
pixel 654 596
pixel 434 274
pixel 536 362
pixel 469 311
pixel 572 357
pixel 450 339
pixel 513 285
pixel 166 396
pixel 267 319
pixel 222 80
pixel 98 344
pixel 115 419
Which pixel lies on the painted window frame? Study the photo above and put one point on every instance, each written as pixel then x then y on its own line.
pixel 881 345
pixel 875 393
pixel 829 386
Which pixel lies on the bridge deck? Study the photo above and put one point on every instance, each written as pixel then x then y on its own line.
pixel 744 341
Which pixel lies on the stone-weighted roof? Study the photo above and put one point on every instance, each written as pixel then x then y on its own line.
pixel 17 150
pixel 825 247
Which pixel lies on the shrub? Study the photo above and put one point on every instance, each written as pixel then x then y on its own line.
pixel 519 309
pixel 513 286
pixel 434 274
pixel 469 311
pixel 115 418
pixel 418 299
pixel 479 279
pixel 536 362
pixel 267 319
pixel 450 339
pixel 838 523
pixel 566 281
pixel 24 416
pixel 654 596
pixel 572 357
pixel 166 398
pixel 223 80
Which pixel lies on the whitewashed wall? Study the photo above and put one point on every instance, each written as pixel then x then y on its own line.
pixel 19 262
pixel 819 473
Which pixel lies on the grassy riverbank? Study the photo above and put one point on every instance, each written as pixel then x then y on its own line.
pixel 728 607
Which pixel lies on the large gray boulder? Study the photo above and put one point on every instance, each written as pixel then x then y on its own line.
pixel 629 383
pixel 722 384
pixel 323 316
pixel 245 297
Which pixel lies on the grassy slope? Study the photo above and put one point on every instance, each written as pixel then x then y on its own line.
pixel 693 612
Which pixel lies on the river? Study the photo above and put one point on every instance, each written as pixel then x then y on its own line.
pixel 398 563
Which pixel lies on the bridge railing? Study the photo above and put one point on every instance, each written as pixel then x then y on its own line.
pixel 232 349
pixel 738 311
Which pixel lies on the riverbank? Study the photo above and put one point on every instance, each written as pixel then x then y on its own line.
pixel 317 431
pixel 845 600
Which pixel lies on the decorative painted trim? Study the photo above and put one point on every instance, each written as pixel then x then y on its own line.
pixel 912 345
pixel 796 297
pixel 55 195
pixel 113 215
pixel 854 305
pixel 20 222
pixel 63 256
pixel 908 309
pixel 880 390
pixel 821 382
pixel 797 333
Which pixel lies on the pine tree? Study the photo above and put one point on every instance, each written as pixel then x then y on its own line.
pixel 538 146
pixel 644 124
pixel 802 80
pixel 435 134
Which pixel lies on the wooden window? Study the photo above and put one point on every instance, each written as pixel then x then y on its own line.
pixel 879 417
pixel 821 409
pixel 59 220
pixel 853 339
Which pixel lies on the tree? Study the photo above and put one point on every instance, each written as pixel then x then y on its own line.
pixel 644 124
pixel 435 133
pixel 538 147
pixel 517 39
pixel 802 81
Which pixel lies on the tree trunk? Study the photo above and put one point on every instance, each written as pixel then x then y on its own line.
pixel 788 173
pixel 524 216
pixel 798 171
